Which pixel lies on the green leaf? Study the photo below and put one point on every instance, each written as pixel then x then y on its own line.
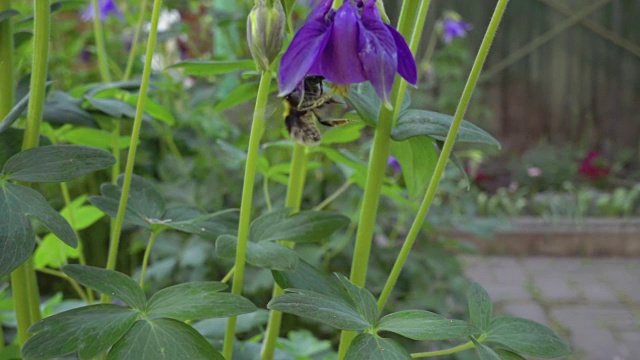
pixel 93 90
pixel 15 113
pixel 17 238
pixel 162 339
pixel 53 253
pixel 364 301
pixel 213 67
pixel 480 307
pixel 366 105
pixel 95 138
pixel 307 277
pixel 372 347
pixel 10 143
pixel 508 355
pixel 305 226
pixel 302 343
pixel 323 308
pixel 428 123
pixel 62 108
pixel 108 282
pixel 425 326
pixel 4 15
pixel 241 94
pixel 215 328
pixel 343 134
pixel 152 109
pixel 526 337
pixel 417 157
pixel 196 301
pixel 263 254
pixel 485 352
pixel 112 107
pixel 208 226
pixel 88 330
pixel 56 163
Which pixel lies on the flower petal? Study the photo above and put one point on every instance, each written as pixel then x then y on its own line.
pixel 338 63
pixel 306 46
pixel 406 63
pixel 377 52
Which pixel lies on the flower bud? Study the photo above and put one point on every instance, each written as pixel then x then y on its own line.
pixel 265 32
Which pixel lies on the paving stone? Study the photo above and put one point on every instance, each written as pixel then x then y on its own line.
pixel 555 288
pixel 529 310
pixel 502 293
pixel 596 292
pixel 630 341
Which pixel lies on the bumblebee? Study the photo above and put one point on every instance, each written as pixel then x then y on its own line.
pixel 300 111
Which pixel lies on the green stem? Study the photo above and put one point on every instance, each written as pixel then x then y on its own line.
pixel 227 277
pixel 465 346
pixel 136 39
pixel 98 33
pixel 265 192
pixel 147 253
pixel 115 149
pixel 297 177
pixel 375 177
pixel 257 129
pixel 339 191
pixel 6 62
pixel 74 284
pixel 133 146
pixel 446 151
pixel 23 279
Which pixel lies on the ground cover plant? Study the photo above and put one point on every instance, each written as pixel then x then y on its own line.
pixel 173 226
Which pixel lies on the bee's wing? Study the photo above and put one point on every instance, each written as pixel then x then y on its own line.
pixel 302 128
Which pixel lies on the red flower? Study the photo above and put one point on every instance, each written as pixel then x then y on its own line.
pixel 592 166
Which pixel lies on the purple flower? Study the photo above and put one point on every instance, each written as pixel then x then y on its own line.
pixel 453 27
pixel 394 164
pixel 347 46
pixel 105 7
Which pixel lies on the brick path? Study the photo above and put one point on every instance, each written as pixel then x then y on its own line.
pixel 594 303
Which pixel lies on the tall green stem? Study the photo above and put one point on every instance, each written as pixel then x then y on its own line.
pixel 147 253
pixel 133 146
pixel 6 62
pixel 136 39
pixel 297 176
pixel 257 128
pixel 23 279
pixel 446 151
pixel 103 61
pixel 375 176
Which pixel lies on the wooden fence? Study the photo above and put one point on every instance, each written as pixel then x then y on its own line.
pixel 563 70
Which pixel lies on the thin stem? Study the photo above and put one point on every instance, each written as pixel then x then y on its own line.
pixel 339 191
pixel 375 177
pixel 257 129
pixel 446 151
pixel 134 43
pixel 23 279
pixel 74 284
pixel 228 276
pixel 297 177
pixel 6 62
pixel 64 188
pixel 147 253
pixel 115 150
pixel 462 347
pixel 133 146
pixel 265 192
pixel 98 33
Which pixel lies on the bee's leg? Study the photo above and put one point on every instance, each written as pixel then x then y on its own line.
pixel 324 99
pixel 331 122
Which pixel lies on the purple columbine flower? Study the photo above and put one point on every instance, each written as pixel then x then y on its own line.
pixel 454 27
pixel 394 164
pixel 347 46
pixel 105 8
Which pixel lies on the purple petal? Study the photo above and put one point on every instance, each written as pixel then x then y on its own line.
pixel 306 46
pixel 338 62
pixel 377 52
pixel 320 12
pixel 406 63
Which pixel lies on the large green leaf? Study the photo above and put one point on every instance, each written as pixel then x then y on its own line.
pixel 480 307
pixel 307 277
pixel 62 108
pixel 305 226
pixel 417 157
pixel 108 282
pixel 332 311
pixel 425 326
pixel 263 254
pixel 56 163
pixel 213 67
pixel 365 101
pixel 87 330
pixel 428 123
pixel 196 301
pixel 372 347
pixel 4 15
pixel 112 107
pixel 15 113
pixel 526 337
pixel 215 328
pixel 485 352
pixel 195 221
pixel 162 339
pixel 17 238
pixel 101 139
pixel 508 355
pixel 363 300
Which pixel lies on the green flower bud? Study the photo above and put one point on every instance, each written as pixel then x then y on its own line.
pixel 265 31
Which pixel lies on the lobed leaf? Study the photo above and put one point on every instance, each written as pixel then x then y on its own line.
pixel 306 277
pixel 363 300
pixel 526 337
pixel 480 307
pixel 425 326
pixel 372 347
pixel 263 254
pixel 485 352
pixel 108 282
pixel 304 226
